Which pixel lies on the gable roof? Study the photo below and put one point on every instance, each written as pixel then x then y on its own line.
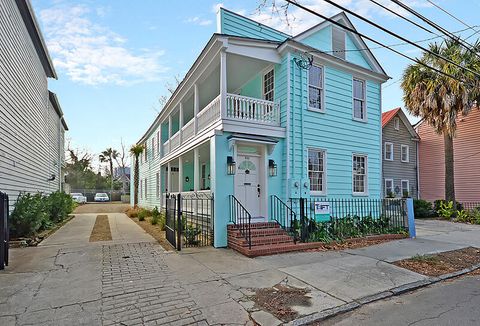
pixel 389 115
pixel 33 29
pixel 357 40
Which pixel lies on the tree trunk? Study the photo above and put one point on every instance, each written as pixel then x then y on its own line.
pixel 449 169
pixel 111 181
pixel 135 183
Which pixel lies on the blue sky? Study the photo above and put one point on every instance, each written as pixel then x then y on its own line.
pixel 114 58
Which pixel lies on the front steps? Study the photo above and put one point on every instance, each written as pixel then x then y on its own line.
pixel 268 238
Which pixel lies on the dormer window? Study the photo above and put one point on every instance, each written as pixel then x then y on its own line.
pixel 338 43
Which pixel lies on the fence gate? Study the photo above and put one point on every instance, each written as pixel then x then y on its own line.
pixel 3 230
pixel 173 221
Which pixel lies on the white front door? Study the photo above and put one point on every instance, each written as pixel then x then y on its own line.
pixel 247 183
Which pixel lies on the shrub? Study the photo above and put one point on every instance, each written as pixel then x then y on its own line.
pixel 423 208
pixel 28 216
pixel 463 216
pixel 143 213
pixel 58 205
pixel 155 216
pixel 191 233
pixel 446 210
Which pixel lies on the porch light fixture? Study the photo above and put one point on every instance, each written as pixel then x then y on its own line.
pixel 187 179
pixel 272 168
pixel 230 165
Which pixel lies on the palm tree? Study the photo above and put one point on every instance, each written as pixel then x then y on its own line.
pixel 108 156
pixel 439 99
pixel 136 151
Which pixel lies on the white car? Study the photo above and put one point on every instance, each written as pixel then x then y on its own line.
pixel 101 196
pixel 79 198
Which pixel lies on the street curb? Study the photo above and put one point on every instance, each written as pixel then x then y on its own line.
pixel 328 313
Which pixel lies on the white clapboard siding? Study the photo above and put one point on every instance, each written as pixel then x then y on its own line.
pixel 29 126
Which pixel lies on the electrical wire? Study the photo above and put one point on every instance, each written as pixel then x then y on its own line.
pixel 400 37
pixel 448 13
pixel 352 30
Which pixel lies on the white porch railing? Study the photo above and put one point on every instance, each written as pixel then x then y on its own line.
pixel 175 140
pixel 166 147
pixel 188 130
pixel 252 109
pixel 209 114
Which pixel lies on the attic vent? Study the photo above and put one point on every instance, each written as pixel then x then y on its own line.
pixel 338 43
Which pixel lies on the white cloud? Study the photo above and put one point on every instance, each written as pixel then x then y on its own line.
pixel 92 54
pixel 300 20
pixel 198 21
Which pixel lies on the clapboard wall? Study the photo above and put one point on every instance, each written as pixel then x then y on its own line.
pixel 30 127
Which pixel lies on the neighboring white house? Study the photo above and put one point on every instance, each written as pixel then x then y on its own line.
pixel 32 125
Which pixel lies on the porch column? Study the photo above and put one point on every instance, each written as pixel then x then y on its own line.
pixel 196 170
pixel 180 174
pixel 196 104
pixel 223 84
pixel 180 119
pixel 169 136
pixel 169 178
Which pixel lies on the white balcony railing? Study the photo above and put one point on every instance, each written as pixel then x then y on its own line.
pixel 209 114
pixel 188 131
pixel 252 109
pixel 238 107
pixel 175 140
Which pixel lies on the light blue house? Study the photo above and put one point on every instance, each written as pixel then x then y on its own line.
pixel 262 113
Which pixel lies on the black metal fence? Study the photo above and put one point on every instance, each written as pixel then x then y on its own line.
pixel 323 219
pixel 469 206
pixel 284 215
pixel 4 234
pixel 189 219
pixel 241 218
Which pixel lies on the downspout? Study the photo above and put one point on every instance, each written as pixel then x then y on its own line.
pixel 287 126
pixel 293 123
pixel 382 181
pixel 417 167
pixel 302 148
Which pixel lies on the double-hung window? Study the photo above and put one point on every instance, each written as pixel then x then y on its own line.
pixel 268 86
pixel 388 151
pixel 405 153
pixel 405 188
pixel 359 107
pixel 389 188
pixel 316 171
pixel 315 88
pixel 359 164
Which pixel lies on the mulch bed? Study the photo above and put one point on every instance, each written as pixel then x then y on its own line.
pixel 279 300
pixel 442 263
pixel 155 231
pixel 358 242
pixel 101 229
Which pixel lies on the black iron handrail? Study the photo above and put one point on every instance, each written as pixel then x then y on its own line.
pixel 241 218
pixel 283 215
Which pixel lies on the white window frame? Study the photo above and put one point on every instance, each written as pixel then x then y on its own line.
pixel 385 187
pixel 385 151
pixel 408 153
pixel 365 192
pixel 364 99
pixel 396 123
pixel 269 70
pixel 408 186
pixel 322 89
pixel 324 179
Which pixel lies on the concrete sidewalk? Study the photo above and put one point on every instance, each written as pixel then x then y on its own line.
pixel 223 282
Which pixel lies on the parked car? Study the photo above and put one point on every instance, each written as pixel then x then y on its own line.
pixel 101 196
pixel 79 198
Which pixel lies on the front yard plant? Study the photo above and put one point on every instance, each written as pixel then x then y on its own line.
pixel 37 212
pixel 423 209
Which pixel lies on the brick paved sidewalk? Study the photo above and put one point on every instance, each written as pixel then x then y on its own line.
pixel 138 289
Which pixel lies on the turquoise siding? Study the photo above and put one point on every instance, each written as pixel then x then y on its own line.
pixel 253 88
pixel 234 24
pixel 321 40
pixel 356 57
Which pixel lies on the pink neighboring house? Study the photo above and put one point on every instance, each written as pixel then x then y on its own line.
pixel 466 146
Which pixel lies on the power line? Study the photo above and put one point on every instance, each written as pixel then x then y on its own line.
pixel 448 13
pixel 436 26
pixel 400 37
pixel 352 30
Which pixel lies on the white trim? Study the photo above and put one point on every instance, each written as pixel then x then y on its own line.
pixel 324 185
pixel 365 192
pixel 408 153
pixel 322 99
pixel 385 151
pixel 385 192
pixel 287 123
pixel 408 186
pixel 365 116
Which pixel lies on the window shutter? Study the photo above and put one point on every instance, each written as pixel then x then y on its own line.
pixel 338 43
